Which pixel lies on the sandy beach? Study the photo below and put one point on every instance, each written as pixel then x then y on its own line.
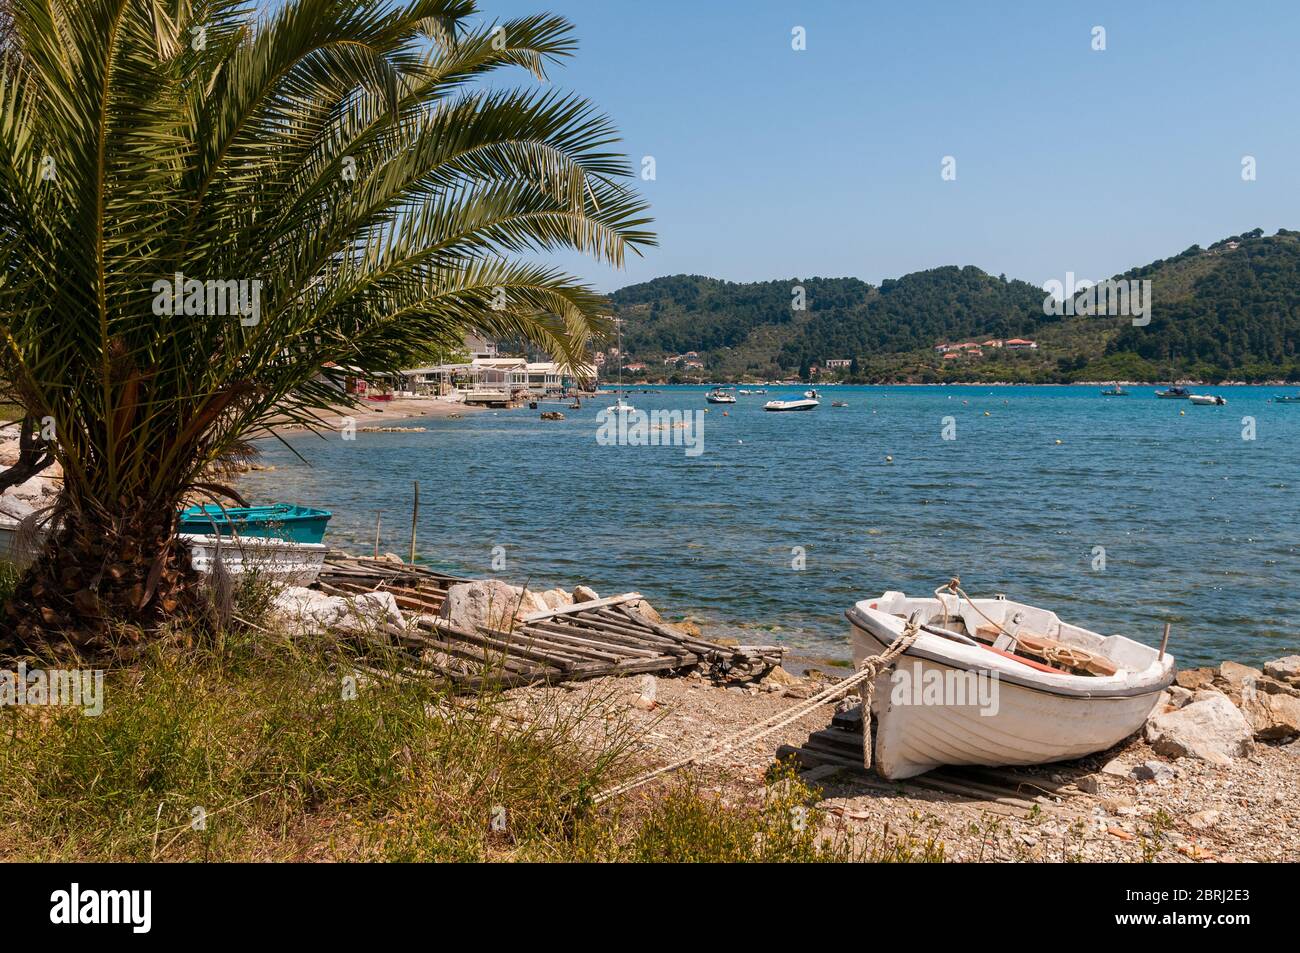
pixel 372 413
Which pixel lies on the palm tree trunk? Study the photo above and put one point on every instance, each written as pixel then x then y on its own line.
pixel 98 569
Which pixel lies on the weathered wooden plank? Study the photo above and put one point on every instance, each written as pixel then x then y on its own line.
pixel 692 643
pixel 524 651
pixel 474 653
pixel 605 640
pixel 624 626
pixel 529 636
pixel 588 647
pixel 583 606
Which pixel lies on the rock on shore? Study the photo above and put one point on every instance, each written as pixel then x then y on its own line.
pixel 313 610
pixel 1217 714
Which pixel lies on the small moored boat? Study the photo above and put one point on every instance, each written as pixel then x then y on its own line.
pixel 1207 399
pixel 283 561
pixel 1051 691
pixel 779 405
pixel 720 395
pixel 1174 393
pixel 285 521
pixel 1115 391
pixel 1287 399
pixel 287 562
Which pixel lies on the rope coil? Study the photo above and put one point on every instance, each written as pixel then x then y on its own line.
pixel 867 672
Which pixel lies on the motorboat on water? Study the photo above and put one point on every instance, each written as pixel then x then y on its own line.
pixel 1204 399
pixel 720 395
pixel 1287 399
pixel 839 403
pixel 996 682
pixel 621 406
pixel 812 394
pixel 1174 393
pixel 1115 391
pixel 804 404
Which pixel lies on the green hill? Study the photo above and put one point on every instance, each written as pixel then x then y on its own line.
pixel 1229 311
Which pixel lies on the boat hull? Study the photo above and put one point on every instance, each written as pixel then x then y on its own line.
pixel 789 406
pixel 284 561
pixel 1016 723
pixel 299 524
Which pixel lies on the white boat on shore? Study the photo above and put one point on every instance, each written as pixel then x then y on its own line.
pixel 284 561
pixel 1051 691
pixel 804 404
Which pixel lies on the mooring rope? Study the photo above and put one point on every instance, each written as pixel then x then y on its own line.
pixel 954 586
pixel 867 672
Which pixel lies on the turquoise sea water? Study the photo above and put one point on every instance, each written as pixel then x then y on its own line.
pixel 1199 525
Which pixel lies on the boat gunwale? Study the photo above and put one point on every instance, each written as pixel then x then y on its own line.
pixel 1022 681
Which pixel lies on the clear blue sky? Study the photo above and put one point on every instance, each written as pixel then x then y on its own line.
pixel 773 163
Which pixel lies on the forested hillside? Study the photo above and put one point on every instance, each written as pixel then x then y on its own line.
pixel 1228 311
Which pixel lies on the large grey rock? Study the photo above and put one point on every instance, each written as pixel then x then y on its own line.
pixel 1234 672
pixel 1176 696
pixel 489 602
pixel 645 610
pixel 1274 717
pixel 1285 669
pixel 557 598
pixel 1195 678
pixel 1268 685
pixel 1211 729
pixel 309 610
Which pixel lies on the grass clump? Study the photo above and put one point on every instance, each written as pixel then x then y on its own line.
pixel 249 744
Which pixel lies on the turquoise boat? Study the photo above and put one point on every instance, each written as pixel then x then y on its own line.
pixel 297 524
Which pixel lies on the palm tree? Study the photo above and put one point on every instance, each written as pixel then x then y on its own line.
pixel 209 212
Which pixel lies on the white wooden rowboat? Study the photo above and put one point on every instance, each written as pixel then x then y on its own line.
pixel 284 561
pixel 963 698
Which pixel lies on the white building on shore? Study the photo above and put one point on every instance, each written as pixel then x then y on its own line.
pixel 497 380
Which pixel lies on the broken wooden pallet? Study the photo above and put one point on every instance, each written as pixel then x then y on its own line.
pixel 581 641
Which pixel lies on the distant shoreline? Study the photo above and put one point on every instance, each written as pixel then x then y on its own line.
pixel 1106 383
